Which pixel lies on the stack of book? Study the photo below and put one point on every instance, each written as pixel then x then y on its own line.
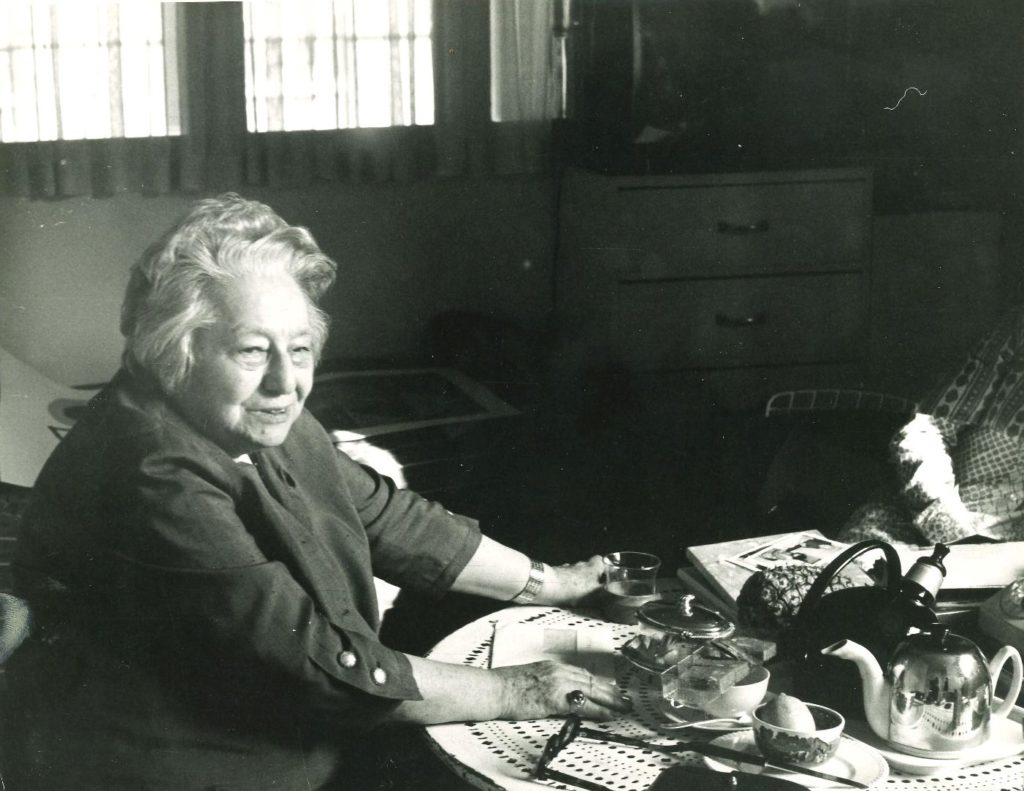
pixel 717 572
pixel 974 571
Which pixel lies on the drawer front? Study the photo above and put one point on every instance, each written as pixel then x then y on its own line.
pixel 662 326
pixel 680 231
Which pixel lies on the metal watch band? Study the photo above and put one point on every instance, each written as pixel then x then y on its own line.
pixel 533 584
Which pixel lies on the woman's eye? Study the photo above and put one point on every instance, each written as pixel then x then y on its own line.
pixel 302 354
pixel 252 354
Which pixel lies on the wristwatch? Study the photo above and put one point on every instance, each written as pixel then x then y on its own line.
pixel 533 584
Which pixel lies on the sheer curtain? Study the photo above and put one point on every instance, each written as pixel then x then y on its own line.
pixel 341 64
pixel 201 82
pixel 528 59
pixel 500 83
pixel 87 70
pixel 96 83
pixel 445 131
pixel 430 60
pixel 339 90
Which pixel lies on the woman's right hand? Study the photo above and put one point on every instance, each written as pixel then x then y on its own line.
pixel 542 689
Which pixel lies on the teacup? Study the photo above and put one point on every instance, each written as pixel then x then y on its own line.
pixel 742 697
pixel 777 743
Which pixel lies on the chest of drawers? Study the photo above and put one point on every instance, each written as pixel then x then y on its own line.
pixel 753 281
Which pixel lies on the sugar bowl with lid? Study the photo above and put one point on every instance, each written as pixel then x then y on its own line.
pixel 694 650
pixel 671 628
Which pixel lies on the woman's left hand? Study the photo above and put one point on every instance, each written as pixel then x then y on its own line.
pixel 573 583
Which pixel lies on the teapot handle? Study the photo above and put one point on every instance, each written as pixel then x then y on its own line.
pixel 995 667
pixel 893 571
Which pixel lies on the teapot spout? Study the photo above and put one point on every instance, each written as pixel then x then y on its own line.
pixel 876 696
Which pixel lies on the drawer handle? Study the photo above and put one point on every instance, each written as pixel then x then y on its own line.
pixel 756 320
pixel 739 229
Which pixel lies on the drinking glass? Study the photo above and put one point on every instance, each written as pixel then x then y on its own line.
pixel 631 573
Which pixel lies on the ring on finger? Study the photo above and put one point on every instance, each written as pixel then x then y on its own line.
pixel 576 700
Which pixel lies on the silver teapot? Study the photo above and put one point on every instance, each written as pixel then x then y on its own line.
pixel 935 698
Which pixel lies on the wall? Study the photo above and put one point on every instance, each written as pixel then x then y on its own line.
pixel 791 84
pixel 937 289
pixel 405 253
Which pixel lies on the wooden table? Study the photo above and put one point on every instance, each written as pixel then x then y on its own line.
pixel 499 755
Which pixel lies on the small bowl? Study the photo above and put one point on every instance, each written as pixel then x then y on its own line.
pixel 798 747
pixel 743 696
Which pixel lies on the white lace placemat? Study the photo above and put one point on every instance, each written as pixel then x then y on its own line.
pixel 501 754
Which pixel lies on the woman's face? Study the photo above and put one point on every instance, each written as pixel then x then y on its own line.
pixel 254 368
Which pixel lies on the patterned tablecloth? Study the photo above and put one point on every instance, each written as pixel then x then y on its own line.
pixel 501 754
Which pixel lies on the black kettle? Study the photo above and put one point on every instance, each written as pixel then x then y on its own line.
pixel 826 617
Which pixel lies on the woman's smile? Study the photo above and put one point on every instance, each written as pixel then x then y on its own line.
pixel 271 414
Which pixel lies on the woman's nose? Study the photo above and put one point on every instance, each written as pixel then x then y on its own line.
pixel 280 375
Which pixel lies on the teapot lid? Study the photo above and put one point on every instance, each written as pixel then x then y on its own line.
pixel 938 636
pixel 939 639
pixel 686 618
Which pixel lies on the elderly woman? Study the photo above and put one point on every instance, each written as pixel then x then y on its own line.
pixel 200 559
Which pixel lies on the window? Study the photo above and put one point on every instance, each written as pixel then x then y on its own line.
pixel 87 70
pixel 342 64
pixel 94 69
pixel 106 96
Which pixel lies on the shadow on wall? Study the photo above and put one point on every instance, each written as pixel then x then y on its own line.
pixel 65 268
pixel 405 252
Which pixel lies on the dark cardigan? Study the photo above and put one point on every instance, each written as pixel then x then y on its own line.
pixel 205 623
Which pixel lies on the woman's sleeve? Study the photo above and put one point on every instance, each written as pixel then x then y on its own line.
pixel 196 582
pixel 415 543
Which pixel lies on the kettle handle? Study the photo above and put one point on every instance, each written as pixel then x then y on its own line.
pixel 893 571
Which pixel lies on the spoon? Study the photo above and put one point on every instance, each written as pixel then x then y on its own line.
pixel 741 720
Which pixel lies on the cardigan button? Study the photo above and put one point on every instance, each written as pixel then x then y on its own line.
pixel 380 675
pixel 347 659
